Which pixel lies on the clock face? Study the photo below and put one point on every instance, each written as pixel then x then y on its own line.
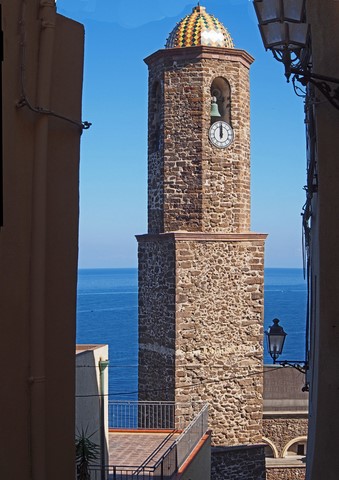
pixel 221 134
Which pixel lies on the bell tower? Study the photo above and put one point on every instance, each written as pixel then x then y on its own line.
pixel 200 266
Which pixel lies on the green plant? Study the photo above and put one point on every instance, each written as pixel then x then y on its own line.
pixel 86 452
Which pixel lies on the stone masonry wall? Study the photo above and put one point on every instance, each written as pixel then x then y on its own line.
pixel 219 307
pixel 194 186
pixel 156 149
pixel 226 173
pixel 183 171
pixel 156 318
pixel 238 463
pixel 200 299
pixel 280 431
pixel 155 193
pixel 285 473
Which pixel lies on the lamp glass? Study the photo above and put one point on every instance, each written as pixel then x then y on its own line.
pixel 276 343
pixel 273 35
pixel 268 10
pixel 279 10
pixel 277 36
pixel 294 10
pixel 297 35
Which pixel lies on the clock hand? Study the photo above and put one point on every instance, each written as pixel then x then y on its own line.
pixel 221 131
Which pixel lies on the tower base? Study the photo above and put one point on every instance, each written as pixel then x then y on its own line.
pixel 200 327
pixel 246 462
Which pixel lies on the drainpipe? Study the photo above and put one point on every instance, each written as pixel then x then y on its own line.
pixel 37 380
pixel 103 364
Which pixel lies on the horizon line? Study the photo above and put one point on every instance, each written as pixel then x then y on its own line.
pixel 136 268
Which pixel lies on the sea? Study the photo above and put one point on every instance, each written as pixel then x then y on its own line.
pixel 107 313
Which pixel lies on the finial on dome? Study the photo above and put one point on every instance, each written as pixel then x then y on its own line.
pixel 199 28
pixel 199 8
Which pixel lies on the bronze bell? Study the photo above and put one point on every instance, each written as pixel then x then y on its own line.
pixel 214 108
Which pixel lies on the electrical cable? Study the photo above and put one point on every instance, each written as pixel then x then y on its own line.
pixel 24 98
pixel 195 365
pixel 207 382
pixel 25 102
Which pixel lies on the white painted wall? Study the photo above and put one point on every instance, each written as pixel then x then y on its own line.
pixel 88 395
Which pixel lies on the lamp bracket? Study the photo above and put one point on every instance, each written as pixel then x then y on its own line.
pixel 321 82
pixel 293 66
pixel 301 366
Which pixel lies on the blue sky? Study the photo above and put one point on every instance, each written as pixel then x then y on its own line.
pixel 113 185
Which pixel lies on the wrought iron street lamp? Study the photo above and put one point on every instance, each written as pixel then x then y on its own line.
pixel 284 31
pixel 275 340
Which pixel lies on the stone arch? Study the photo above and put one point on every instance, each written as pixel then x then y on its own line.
pixel 272 447
pixel 295 442
pixel 221 90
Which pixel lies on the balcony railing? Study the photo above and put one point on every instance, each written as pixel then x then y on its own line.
pixel 151 415
pixel 113 472
pixel 190 420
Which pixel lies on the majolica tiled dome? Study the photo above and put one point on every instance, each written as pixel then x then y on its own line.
pixel 199 28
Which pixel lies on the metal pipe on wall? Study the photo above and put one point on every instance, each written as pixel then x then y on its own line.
pixel 103 364
pixel 37 379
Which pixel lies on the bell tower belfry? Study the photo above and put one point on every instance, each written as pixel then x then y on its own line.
pixel 200 268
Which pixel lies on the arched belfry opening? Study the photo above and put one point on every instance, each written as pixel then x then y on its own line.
pixel 155 117
pixel 221 90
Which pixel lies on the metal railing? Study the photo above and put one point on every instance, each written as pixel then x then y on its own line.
pixel 141 415
pixel 150 415
pixel 191 419
pixel 121 472
pixel 191 436
pixel 167 465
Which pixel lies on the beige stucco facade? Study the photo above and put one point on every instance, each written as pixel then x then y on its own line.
pixel 323 146
pixel 42 69
pixel 198 465
pixel 321 233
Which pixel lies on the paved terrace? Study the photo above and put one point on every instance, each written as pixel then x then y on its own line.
pixel 134 448
pixel 151 439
